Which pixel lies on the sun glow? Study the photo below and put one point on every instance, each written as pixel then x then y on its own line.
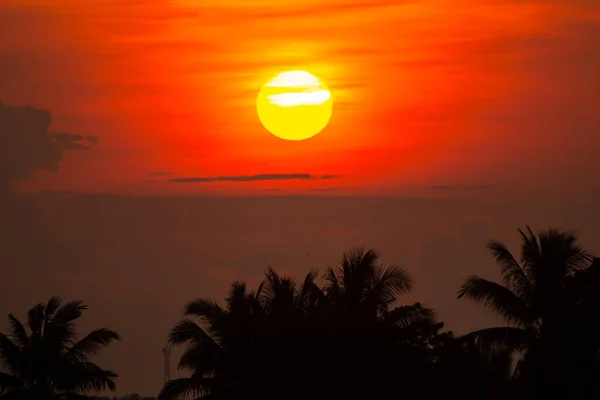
pixel 294 105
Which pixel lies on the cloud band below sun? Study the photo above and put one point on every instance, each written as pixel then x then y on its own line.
pixel 252 178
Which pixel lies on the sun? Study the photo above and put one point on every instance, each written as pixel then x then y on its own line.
pixel 294 105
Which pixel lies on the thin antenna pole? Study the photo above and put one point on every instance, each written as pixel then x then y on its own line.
pixel 166 353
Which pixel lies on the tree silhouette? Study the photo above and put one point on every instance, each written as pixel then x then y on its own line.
pixel 463 370
pixel 314 340
pixel 232 349
pixel 360 288
pixel 536 302
pixel 41 359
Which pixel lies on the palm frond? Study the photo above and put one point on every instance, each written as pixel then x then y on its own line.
pixel 391 282
pixel 500 337
pixel 405 316
pixel 51 308
pixel 277 287
pixel 9 383
pixel 18 332
pixel 201 360
pixel 259 291
pixel 497 297
pixel 69 312
pixel 530 253
pixel 560 249
pixel 359 258
pixel 308 283
pixel 512 274
pixel 310 294
pixel 11 358
pixel 579 258
pixel 237 297
pixel 61 329
pixel 332 282
pixel 91 344
pixel 35 321
pixel 182 388
pixel 356 269
pixel 188 332
pixel 206 309
pixel 84 377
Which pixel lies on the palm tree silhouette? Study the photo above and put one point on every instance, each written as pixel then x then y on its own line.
pixel 534 301
pixel 286 335
pixel 359 287
pixel 42 360
pixel 233 348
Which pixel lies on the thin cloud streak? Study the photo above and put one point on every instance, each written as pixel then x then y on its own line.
pixel 252 178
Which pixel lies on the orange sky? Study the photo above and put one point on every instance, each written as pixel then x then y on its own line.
pixel 481 102
pixel 431 92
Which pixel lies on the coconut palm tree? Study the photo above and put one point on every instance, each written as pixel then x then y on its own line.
pixel 366 327
pixel 299 340
pixel 358 287
pixel 42 360
pixel 233 348
pixel 534 301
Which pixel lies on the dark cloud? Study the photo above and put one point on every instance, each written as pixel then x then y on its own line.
pixel 252 178
pixel 31 254
pixel 27 146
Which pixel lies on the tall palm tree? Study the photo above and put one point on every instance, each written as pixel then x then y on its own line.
pixel 370 328
pixel 533 300
pixel 42 360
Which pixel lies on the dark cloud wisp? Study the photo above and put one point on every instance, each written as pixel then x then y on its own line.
pixel 252 178
pixel 69 141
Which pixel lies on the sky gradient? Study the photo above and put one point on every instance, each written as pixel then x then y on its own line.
pixel 149 180
pixel 429 92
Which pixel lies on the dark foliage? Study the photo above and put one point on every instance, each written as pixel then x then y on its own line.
pixel 346 336
pixel 550 300
pixel 40 360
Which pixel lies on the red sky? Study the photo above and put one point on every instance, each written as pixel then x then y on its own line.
pixel 460 120
pixel 429 92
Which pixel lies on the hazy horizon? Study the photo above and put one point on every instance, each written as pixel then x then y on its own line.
pixel 138 260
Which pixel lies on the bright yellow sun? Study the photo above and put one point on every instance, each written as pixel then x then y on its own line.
pixel 294 105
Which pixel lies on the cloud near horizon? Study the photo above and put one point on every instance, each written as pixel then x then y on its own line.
pixel 27 146
pixel 252 178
